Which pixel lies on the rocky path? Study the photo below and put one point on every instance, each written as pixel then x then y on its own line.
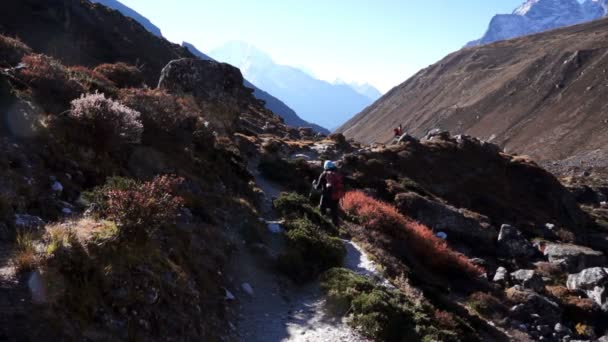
pixel 272 308
pixel 15 302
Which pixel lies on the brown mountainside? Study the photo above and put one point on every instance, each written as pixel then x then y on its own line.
pixel 81 33
pixel 542 95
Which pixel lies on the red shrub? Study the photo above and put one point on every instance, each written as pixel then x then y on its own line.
pixel 50 82
pixel 145 207
pixel 123 75
pixel 92 81
pixel 445 319
pixel 429 249
pixel 162 114
pixel 11 51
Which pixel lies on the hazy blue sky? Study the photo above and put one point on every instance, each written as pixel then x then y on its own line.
pixel 377 41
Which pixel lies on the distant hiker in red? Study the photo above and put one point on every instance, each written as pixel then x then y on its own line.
pixel 398 132
pixel 331 182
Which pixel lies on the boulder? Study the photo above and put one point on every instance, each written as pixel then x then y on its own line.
pixel 594 282
pixel 463 226
pixel 501 276
pixel 217 87
pixel 573 258
pixel 528 279
pixel 512 243
pixel 532 306
pixel 437 133
pixel 26 222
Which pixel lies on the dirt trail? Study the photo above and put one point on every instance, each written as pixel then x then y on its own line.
pixel 15 300
pixel 279 310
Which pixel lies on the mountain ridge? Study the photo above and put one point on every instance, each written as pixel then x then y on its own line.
pixel 539 95
pixel 314 100
pixel 535 16
pixel 274 104
pixel 131 13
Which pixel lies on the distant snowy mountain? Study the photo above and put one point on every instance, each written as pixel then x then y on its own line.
pixel 535 16
pixel 277 106
pixel 321 102
pixel 364 89
pixel 128 12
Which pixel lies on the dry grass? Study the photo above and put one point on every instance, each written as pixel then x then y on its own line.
pixel 420 240
pixel 26 258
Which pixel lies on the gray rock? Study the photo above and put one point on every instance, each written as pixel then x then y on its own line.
pixel 27 222
pixel 574 258
pixel 562 329
pixel 544 330
pixel 248 289
pixel 57 187
pixel 528 279
pixel 594 282
pixel 534 307
pixel 473 230
pixel 501 275
pixel 229 295
pixel 512 243
pixel 208 81
pixel 437 133
pixel 406 138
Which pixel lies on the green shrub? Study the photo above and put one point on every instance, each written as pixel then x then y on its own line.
pixel 379 313
pixel 310 250
pixel 292 206
pixel 385 314
pixel 98 198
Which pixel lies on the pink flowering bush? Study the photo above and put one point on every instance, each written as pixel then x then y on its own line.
pixel 109 123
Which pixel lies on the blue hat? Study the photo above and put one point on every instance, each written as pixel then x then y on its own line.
pixel 329 165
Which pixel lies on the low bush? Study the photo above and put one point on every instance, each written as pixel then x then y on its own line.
pixel 310 250
pixel 50 82
pixel 122 74
pixel 378 312
pixel 144 208
pixel 105 124
pixel 576 309
pixel 11 51
pixel 295 175
pixel 428 249
pixel 291 206
pixel 91 81
pixel 164 116
pixel 487 305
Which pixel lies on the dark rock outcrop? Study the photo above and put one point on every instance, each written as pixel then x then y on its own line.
pixel 460 225
pixel 512 243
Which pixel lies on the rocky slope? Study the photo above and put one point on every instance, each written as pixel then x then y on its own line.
pixel 129 12
pixel 540 95
pixel 541 15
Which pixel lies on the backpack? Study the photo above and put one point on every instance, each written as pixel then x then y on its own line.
pixel 335 182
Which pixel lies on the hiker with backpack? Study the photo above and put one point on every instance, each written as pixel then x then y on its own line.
pixel 331 184
pixel 398 133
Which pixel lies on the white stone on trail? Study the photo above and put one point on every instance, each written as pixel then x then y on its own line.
pixel 248 289
pixel 57 187
pixel 229 295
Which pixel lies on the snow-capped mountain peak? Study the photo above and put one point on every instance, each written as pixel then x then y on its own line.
pixel 535 16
